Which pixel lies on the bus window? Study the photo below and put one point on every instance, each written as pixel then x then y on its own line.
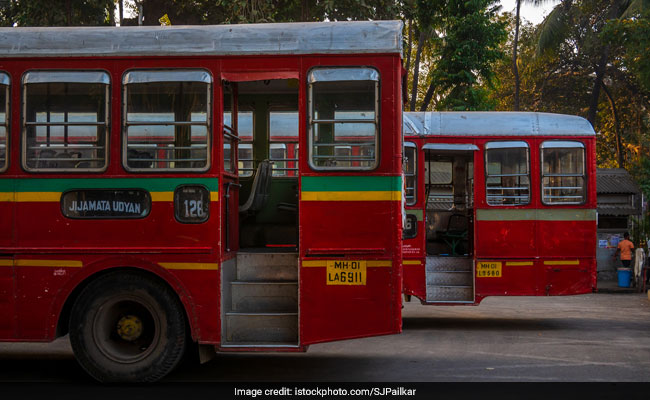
pixel 343 114
pixel 167 120
pixel 563 172
pixel 438 181
pixel 283 142
pixel 410 152
pixel 507 176
pixel 245 148
pixel 4 121
pixel 65 120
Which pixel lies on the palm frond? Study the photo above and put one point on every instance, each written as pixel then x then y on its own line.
pixel 635 7
pixel 553 30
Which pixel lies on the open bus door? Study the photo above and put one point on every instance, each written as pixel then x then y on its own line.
pixel 350 212
pixel 449 216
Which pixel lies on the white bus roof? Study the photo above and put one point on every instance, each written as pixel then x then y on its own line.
pixel 494 123
pixel 244 39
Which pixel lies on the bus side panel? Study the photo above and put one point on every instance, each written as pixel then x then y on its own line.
pixel 333 312
pixel 353 231
pixel 571 279
pixel 567 239
pixel 509 239
pixel 46 282
pixel 519 277
pixel 54 231
pixel 415 278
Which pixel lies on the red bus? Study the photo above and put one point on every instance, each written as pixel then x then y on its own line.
pixel 498 204
pixel 163 186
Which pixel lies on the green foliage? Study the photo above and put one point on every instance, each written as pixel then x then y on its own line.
pixel 55 12
pixel 633 37
pixel 466 40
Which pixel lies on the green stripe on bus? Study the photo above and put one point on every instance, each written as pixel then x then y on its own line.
pixel 537 215
pixel 351 183
pixel 62 184
pixel 419 214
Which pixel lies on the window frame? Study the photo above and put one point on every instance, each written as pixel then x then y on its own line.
pixel 413 146
pixel 335 74
pixel 7 143
pixel 241 141
pixel 508 144
pixel 284 171
pixel 62 76
pixel 563 144
pixel 208 120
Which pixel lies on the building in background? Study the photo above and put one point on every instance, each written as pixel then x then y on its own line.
pixel 619 207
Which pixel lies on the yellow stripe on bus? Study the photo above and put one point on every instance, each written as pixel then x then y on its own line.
pixel 565 262
pixel 314 263
pixel 162 196
pixel 379 263
pixel 369 263
pixel 56 196
pixel 519 263
pixel 6 196
pixel 412 262
pixel 352 196
pixel 37 196
pixel 49 263
pixel 6 263
pixel 194 266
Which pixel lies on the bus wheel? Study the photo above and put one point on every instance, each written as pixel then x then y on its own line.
pixel 125 327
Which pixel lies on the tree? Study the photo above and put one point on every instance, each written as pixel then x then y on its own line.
pixel 515 68
pixel 592 16
pixel 55 12
pixel 467 43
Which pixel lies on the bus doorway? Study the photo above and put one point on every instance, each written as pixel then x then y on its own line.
pixel 449 216
pixel 260 284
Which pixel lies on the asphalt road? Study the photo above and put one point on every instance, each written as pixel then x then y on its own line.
pixel 597 337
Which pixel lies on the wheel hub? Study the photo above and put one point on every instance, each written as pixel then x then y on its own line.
pixel 129 327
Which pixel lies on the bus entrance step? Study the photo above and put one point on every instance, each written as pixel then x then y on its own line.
pixel 267 266
pixel 449 264
pixel 261 327
pixel 265 297
pixel 450 278
pixel 439 293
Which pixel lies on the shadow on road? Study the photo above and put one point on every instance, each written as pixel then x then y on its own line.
pixel 498 324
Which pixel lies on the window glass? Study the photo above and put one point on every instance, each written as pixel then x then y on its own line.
pixel 507 173
pixel 343 123
pixel 65 122
pixel 410 173
pixel 245 147
pixel 283 145
pixel 4 121
pixel 563 173
pixel 167 122
pixel 438 180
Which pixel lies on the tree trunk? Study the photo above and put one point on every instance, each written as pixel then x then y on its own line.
pixel 121 4
pixel 68 12
pixel 617 131
pixel 515 69
pixel 304 10
pixel 111 14
pixel 595 92
pixel 427 97
pixel 416 72
pixel 409 47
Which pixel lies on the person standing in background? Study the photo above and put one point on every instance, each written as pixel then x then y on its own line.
pixel 625 247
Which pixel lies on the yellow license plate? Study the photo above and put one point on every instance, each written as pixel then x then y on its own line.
pixel 488 269
pixel 346 272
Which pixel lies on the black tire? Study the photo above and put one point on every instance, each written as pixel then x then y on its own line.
pixel 126 327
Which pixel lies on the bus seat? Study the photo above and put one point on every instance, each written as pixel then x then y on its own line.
pixel 456 232
pixel 260 190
